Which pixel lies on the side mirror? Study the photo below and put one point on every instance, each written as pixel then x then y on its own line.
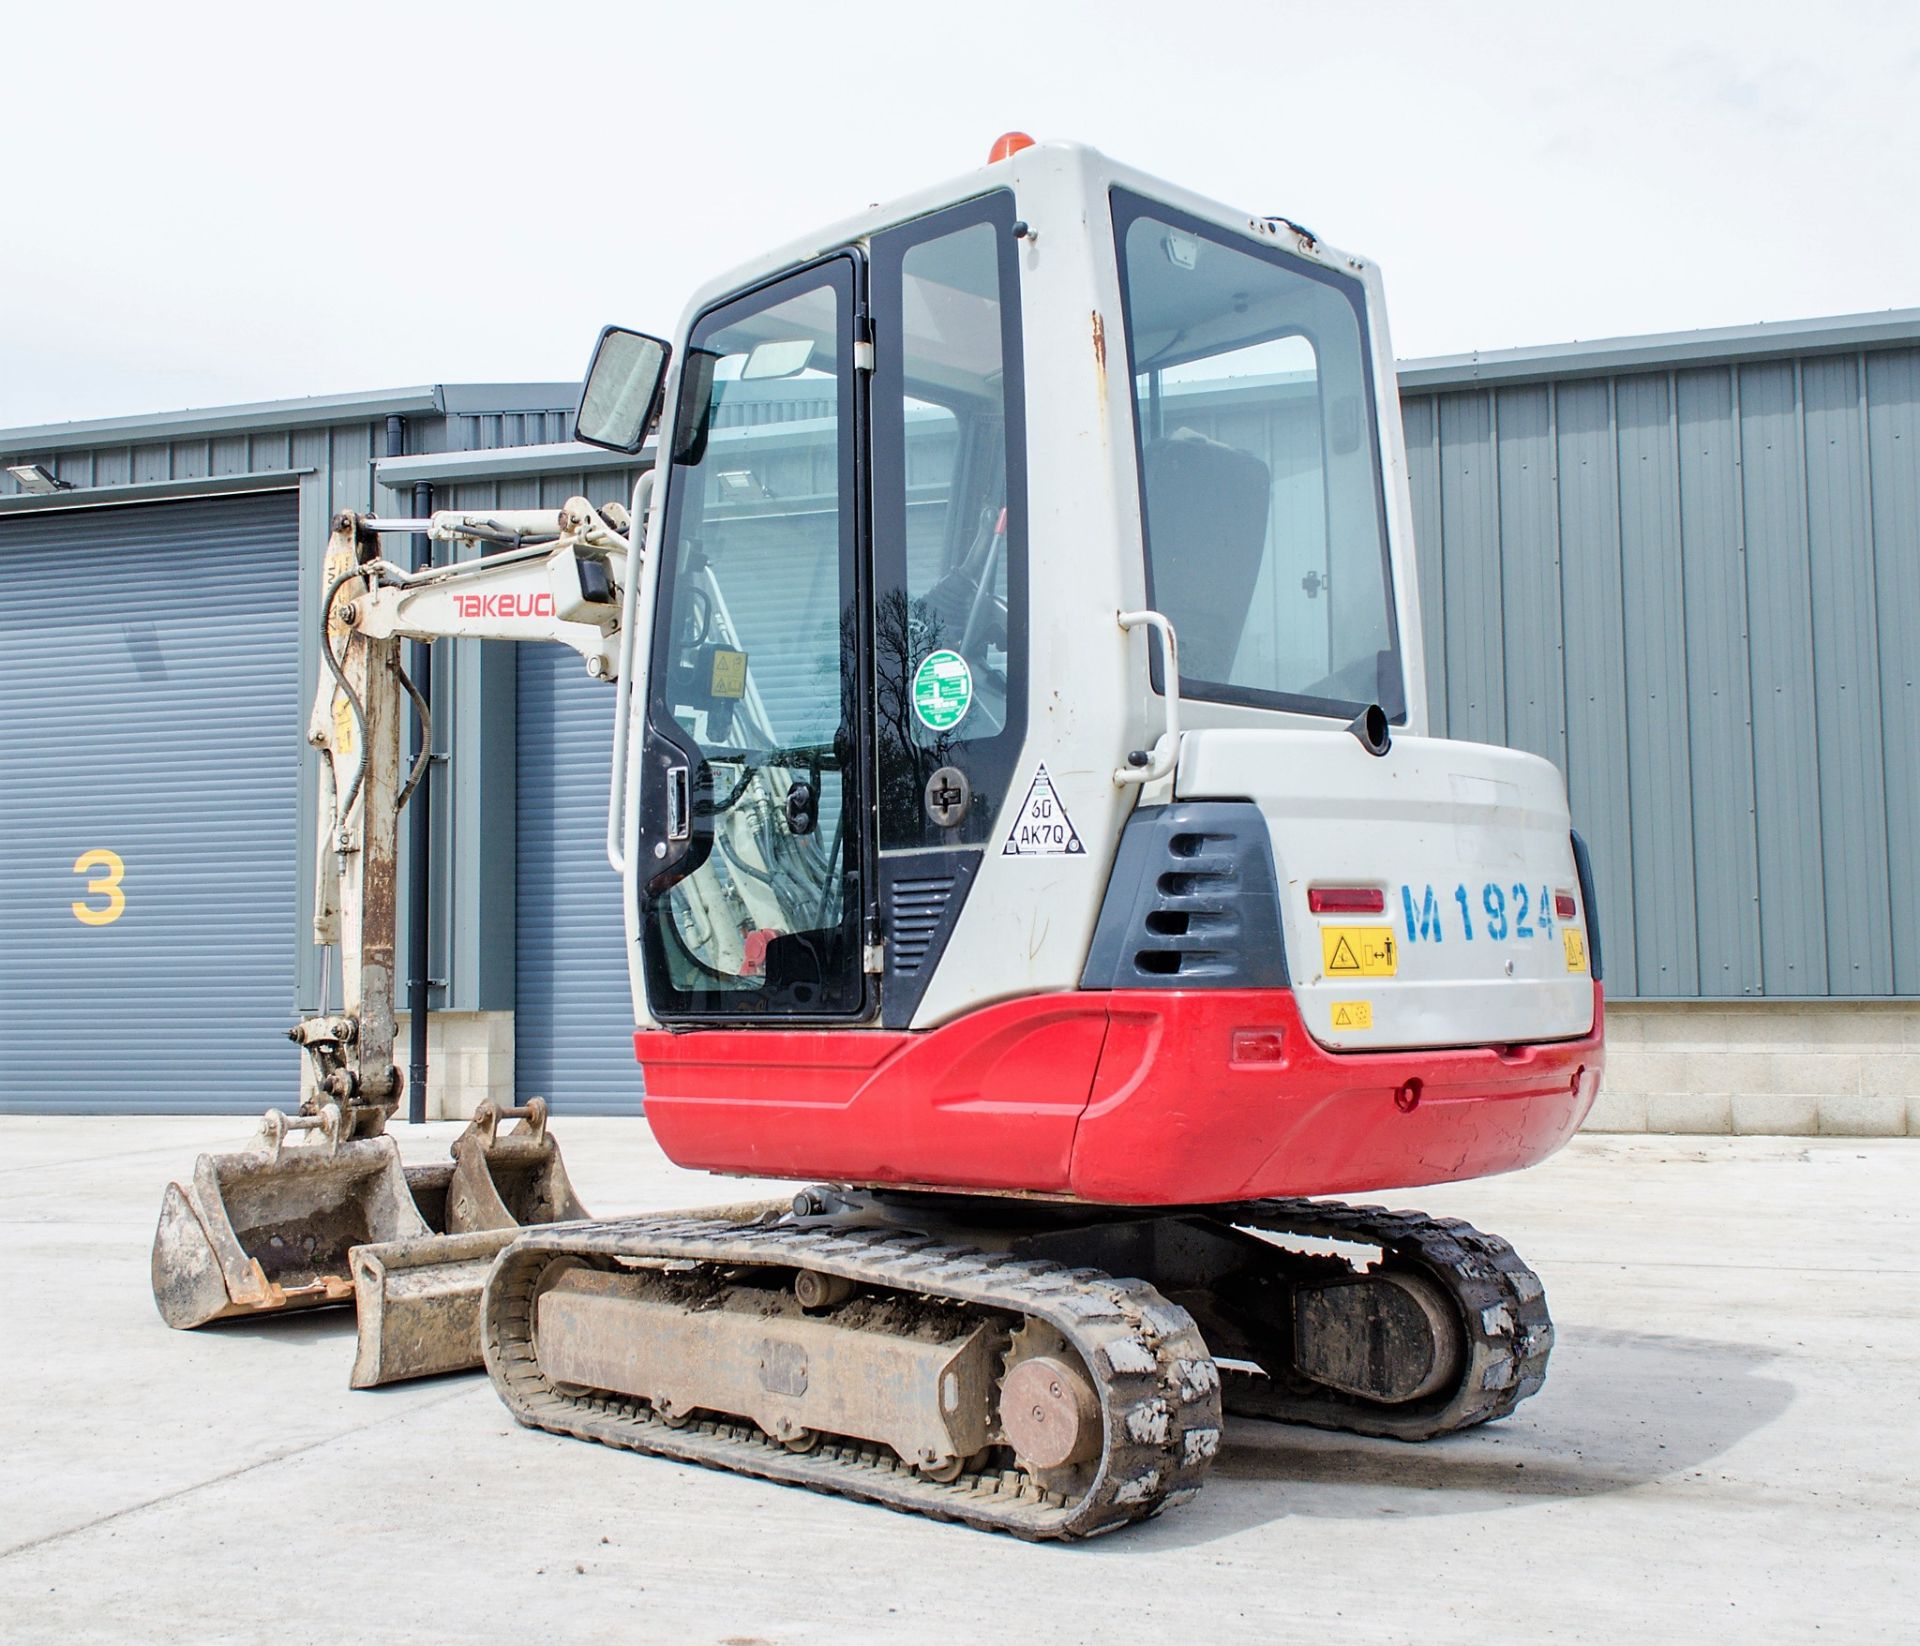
pixel 621 396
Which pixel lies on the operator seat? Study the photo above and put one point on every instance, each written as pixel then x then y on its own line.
pixel 1207 509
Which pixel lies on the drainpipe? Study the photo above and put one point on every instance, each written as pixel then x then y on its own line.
pixel 420 849
pixel 419 820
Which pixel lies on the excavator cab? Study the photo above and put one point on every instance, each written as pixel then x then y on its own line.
pixel 1036 688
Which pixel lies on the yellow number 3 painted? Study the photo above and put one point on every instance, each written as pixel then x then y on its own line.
pixel 105 885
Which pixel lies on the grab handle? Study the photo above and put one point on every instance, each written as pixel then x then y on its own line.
pixel 623 687
pixel 1142 766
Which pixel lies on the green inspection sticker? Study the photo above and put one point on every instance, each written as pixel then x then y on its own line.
pixel 942 690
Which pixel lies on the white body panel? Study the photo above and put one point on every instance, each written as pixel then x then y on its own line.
pixel 1431 810
pixel 1465 840
pixel 1028 920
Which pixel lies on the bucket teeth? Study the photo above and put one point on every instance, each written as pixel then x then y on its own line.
pixel 267 1229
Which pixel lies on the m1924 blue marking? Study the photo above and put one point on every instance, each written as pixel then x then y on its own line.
pixel 1500 913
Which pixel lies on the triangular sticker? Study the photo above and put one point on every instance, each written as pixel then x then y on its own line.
pixel 1343 958
pixel 1043 828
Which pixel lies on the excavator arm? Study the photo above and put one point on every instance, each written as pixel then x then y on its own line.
pixel 562 575
pixel 341 1219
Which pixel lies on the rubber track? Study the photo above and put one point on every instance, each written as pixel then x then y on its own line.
pixel 1158 1386
pixel 1502 1304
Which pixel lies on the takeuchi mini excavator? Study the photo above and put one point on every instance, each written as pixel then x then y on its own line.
pixel 1030 844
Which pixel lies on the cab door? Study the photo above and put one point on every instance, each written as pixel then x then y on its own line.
pixel 756 783
pixel 949 570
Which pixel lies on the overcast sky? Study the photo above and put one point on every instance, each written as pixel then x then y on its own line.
pixel 208 203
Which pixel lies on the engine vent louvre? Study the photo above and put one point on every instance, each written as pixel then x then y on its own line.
pixel 1193 903
pixel 915 909
pixel 1193 928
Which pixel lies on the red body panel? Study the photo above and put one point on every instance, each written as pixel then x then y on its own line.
pixel 1126 1098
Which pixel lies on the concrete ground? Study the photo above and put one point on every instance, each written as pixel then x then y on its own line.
pixel 1728 1447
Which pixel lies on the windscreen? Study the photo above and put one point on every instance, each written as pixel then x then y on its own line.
pixel 1259 467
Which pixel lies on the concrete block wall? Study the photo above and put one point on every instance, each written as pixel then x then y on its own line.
pixel 1809 1068
pixel 469 1059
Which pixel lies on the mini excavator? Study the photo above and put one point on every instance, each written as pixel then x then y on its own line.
pixel 1029 843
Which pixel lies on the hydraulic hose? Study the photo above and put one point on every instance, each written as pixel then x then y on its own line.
pixel 344 806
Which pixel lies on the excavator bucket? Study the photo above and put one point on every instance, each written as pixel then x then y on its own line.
pixel 419 1296
pixel 505 1178
pixel 273 1228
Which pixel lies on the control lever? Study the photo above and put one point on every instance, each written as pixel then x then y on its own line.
pixel 802 809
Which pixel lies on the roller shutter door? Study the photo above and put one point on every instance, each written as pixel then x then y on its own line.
pixel 573 1015
pixel 150 735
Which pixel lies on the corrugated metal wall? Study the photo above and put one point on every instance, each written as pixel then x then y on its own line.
pixel 573 1014
pixel 148 782
pixel 1697 591
pixel 331 463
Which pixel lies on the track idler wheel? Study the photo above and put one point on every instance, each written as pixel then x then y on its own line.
pixel 1049 1413
pixel 1389 1335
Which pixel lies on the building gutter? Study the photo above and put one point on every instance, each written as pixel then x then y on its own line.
pixel 1771 340
pixel 259 416
pixel 150 491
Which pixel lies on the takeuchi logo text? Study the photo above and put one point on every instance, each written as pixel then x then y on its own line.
pixel 504 605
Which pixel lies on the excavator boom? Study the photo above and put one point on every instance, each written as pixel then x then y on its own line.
pixel 337 1218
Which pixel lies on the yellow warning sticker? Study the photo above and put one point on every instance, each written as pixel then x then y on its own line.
pixel 342 726
pixel 1353 1014
pixel 1358 951
pixel 729 673
pixel 1576 949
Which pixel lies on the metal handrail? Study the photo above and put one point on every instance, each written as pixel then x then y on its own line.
pixel 623 686
pixel 1141 766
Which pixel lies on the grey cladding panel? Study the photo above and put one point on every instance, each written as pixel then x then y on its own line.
pixel 1793 932
pixel 1423 478
pixel 1665 933
pixel 1719 700
pixel 573 1015
pixel 1893 452
pixel 1590 589
pixel 1853 807
pixel 149 677
pixel 1469 514
pixel 1530 574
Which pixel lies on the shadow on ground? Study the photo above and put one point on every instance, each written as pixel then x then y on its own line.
pixel 290 1328
pixel 1621 1409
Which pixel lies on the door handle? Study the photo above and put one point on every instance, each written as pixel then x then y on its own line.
pixel 679 813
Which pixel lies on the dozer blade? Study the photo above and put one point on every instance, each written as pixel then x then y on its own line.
pixel 419 1298
pixel 419 1304
pixel 271 1228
